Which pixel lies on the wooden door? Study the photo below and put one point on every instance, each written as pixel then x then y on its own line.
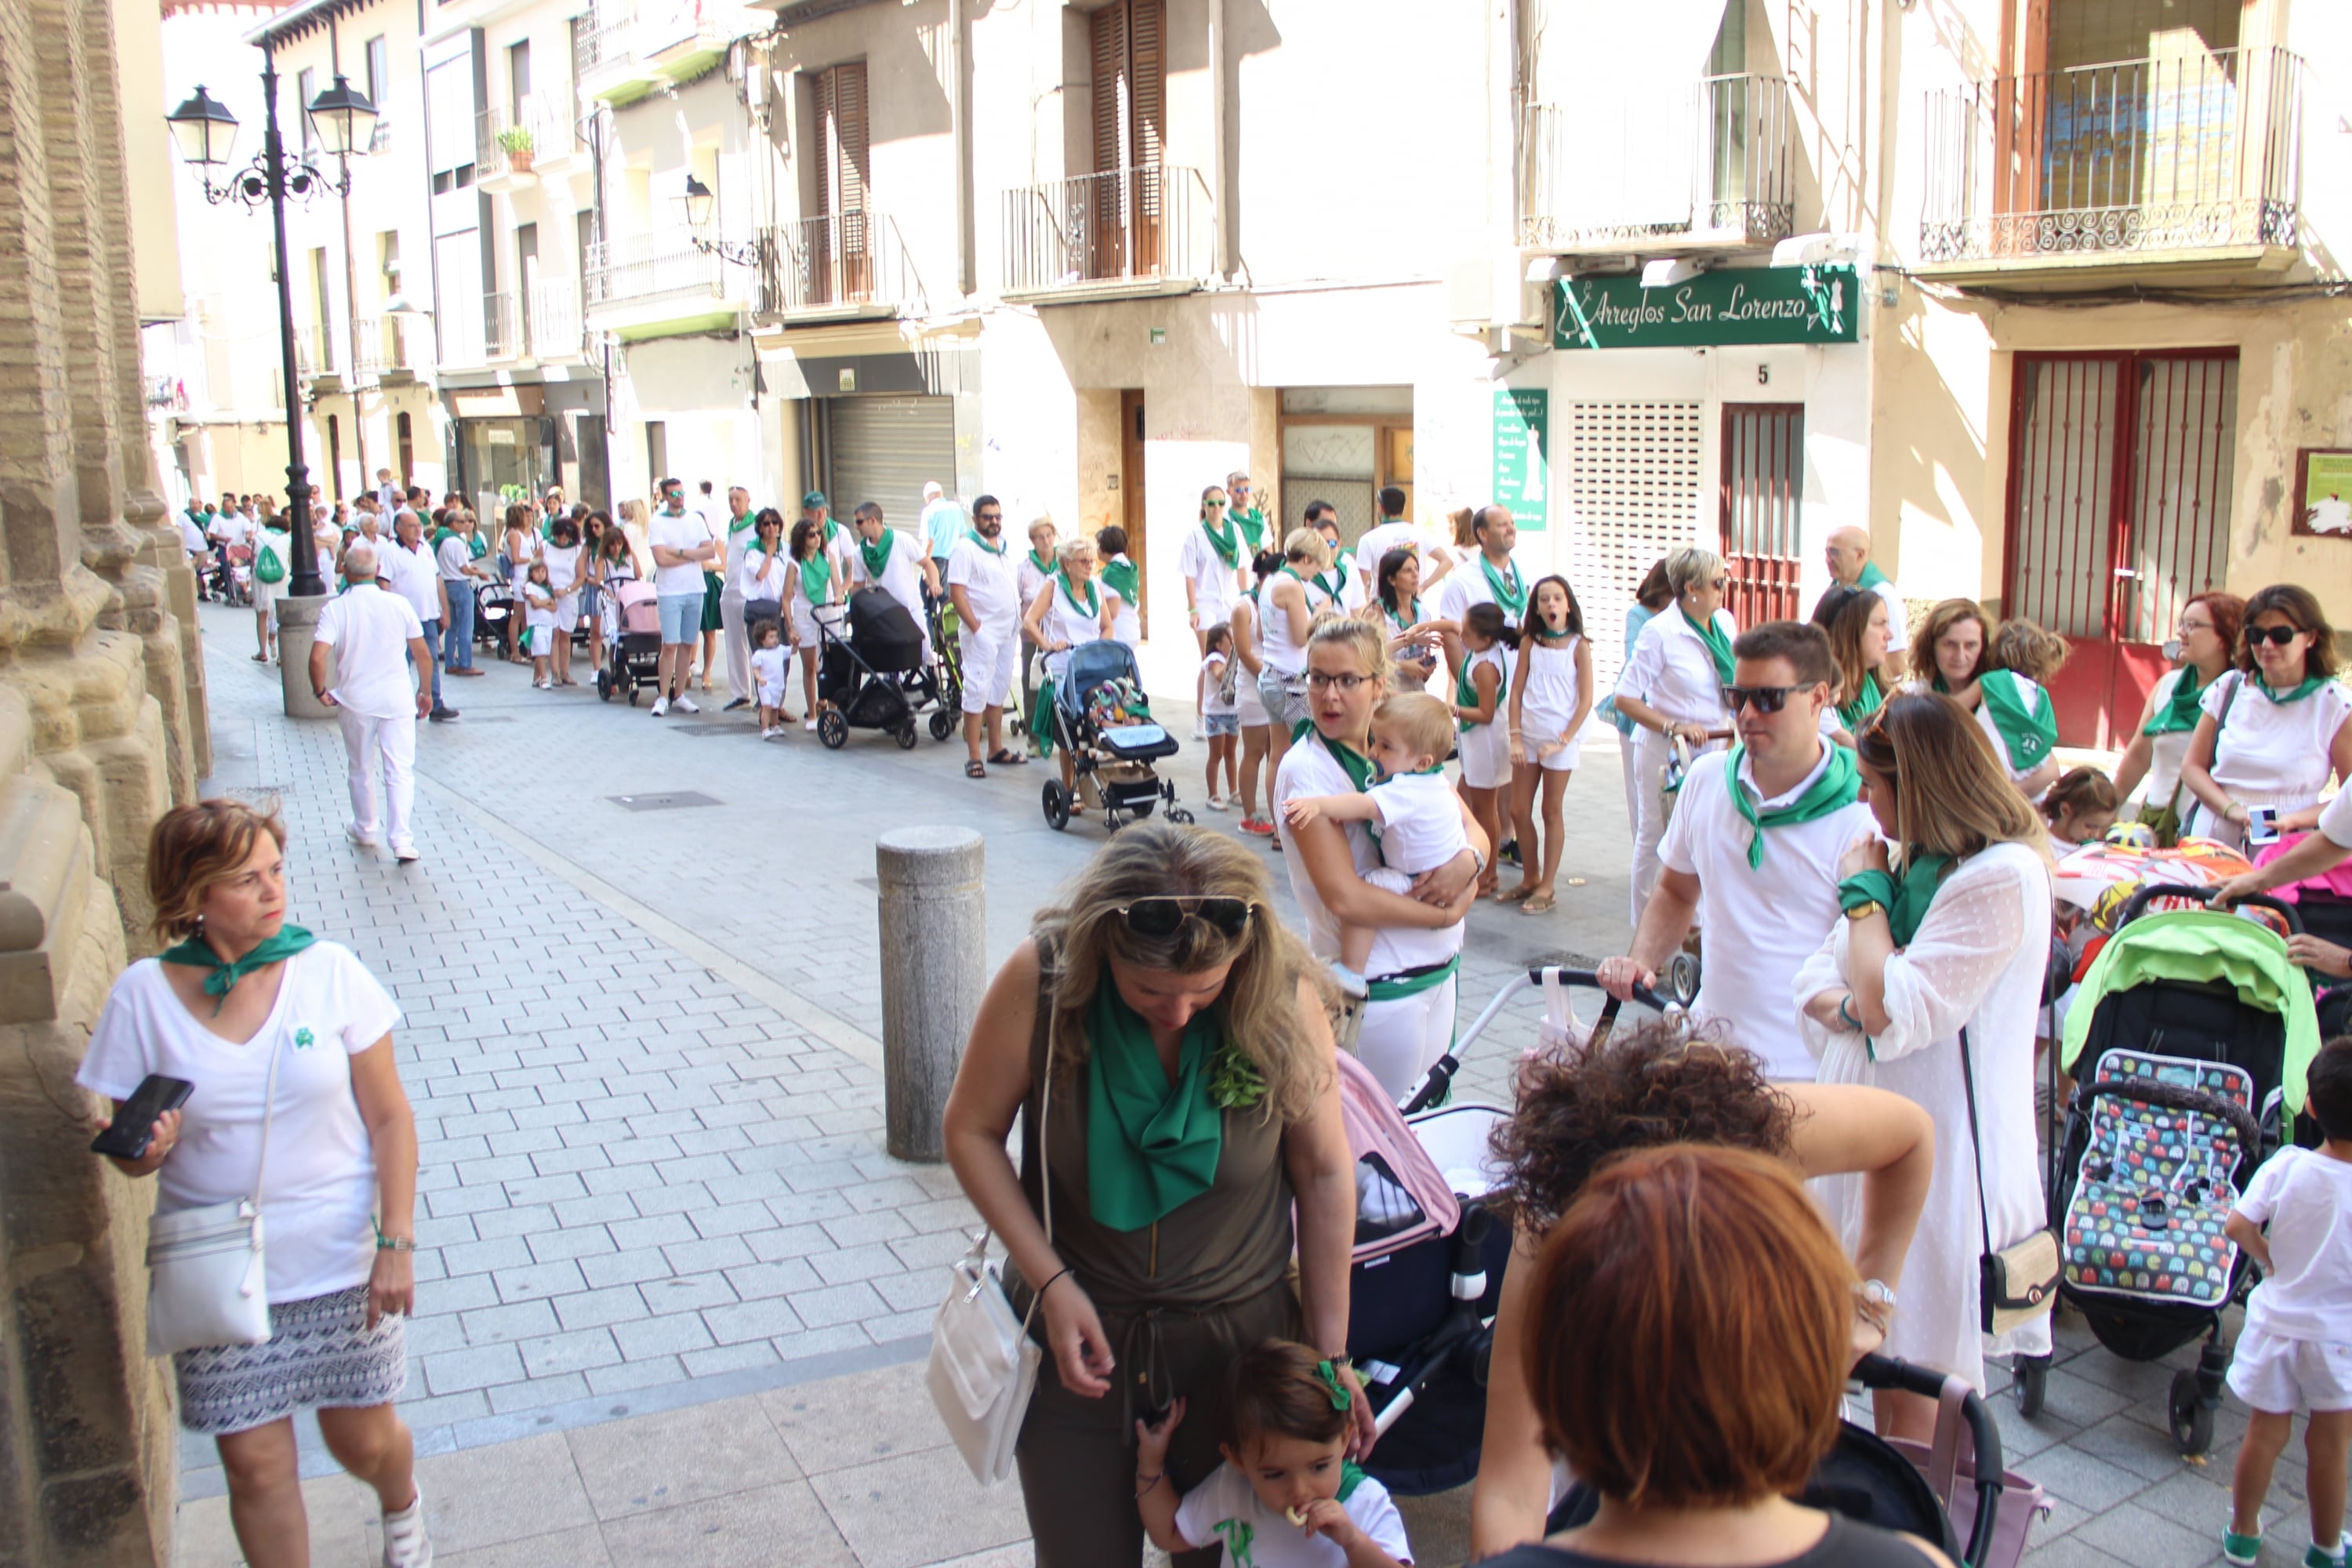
pixel 1761 482
pixel 1130 493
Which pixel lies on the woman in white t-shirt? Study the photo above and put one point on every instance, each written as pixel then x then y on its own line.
pixel 2206 636
pixel 813 594
pixel 567 568
pixel 519 549
pixel 290 1038
pixel 1672 689
pixel 1249 703
pixel 1073 607
pixel 2275 729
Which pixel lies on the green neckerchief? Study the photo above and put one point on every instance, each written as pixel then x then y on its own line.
pixel 1357 767
pixel 1337 586
pixel 1240 1536
pixel 878 554
pixel 2027 737
pixel 1936 683
pixel 1466 690
pixel 1253 525
pixel 832 529
pixel 978 538
pixel 2183 711
pixel 1511 595
pixel 816 578
pixel 737 525
pixel 1122 576
pixel 1093 607
pixel 1719 646
pixel 1868 701
pixel 1870 577
pixel 197 953
pixel 2310 684
pixel 1906 900
pixel 1220 534
pixel 1402 623
pixel 1151 1146
pixel 1044 563
pixel 1838 786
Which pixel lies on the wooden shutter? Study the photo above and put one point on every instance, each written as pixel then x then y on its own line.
pixel 1109 25
pixel 1121 215
pixel 1147 77
pixel 838 261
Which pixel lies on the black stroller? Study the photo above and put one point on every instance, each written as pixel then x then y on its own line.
pixel 495 617
pixel 875 678
pixel 1099 716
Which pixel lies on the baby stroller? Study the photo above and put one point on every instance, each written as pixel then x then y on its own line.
pixel 873 677
pixel 947 653
pixel 1100 716
pixel 633 620
pixel 496 621
pixel 2198 1032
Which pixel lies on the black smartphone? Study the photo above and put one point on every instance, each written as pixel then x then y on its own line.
pixel 134 1124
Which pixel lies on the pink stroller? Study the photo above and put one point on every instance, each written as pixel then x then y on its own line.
pixel 633 622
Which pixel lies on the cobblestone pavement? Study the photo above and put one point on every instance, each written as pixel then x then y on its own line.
pixel 640 1035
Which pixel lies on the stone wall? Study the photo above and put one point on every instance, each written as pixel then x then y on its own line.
pixel 102 729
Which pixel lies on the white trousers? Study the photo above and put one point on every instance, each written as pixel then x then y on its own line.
pixel 990 657
pixel 391 744
pixel 1398 1039
pixel 1651 752
pixel 739 644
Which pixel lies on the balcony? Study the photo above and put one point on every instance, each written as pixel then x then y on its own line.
pixel 840 268
pixel 1144 230
pixel 2194 162
pixel 502 335
pixel 653 285
pixel 627 49
pixel 1609 174
pixel 314 359
pixel 512 147
pixel 552 317
pixel 382 353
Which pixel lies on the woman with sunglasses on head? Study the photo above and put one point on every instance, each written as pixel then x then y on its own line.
pixel 1163 1039
pixel 1930 987
pixel 2274 729
pixel 1407 1018
pixel 2204 640
pixel 1672 689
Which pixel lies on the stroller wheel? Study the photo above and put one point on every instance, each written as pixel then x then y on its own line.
pixel 1178 813
pixel 2032 1383
pixel 833 729
pixel 604 685
pixel 1682 977
pixel 904 735
pixel 943 723
pixel 2192 1418
pixel 633 695
pixel 1057 806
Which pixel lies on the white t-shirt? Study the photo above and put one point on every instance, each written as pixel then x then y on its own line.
pixel 1126 625
pixel 991 584
pixel 2275 753
pixel 1397 533
pixel 902 574
pixel 2306 1199
pixel 768 669
pixel 192 535
pixel 1466 585
pixel 1672 671
pixel 752 585
pixel 413 574
pixel 1213 577
pixel 370 628
pixel 1761 924
pixel 566 564
pixel 1272 1541
pixel 454 556
pixel 1214 698
pixel 1030 578
pixel 1309 768
pixel 233 527
pixel 321 1186
pixel 2166 752
pixel 2335 818
pixel 686 532
pixel 1420 821
pixel 1068 620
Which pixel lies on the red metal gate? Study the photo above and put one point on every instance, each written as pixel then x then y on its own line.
pixel 2119 486
pixel 1762 477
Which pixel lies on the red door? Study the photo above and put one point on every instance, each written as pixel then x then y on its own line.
pixel 1762 476
pixel 2120 476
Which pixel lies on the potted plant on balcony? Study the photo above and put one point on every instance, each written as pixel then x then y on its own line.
pixel 516 142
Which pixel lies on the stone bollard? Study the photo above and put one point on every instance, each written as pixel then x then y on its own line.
pixel 296 620
pixel 934 970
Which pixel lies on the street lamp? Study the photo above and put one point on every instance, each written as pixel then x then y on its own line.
pixel 700 201
pixel 204 130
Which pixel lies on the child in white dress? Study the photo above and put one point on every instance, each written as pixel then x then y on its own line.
pixel 1221 719
pixel 768 673
pixel 1285 1496
pixel 538 621
pixel 1414 810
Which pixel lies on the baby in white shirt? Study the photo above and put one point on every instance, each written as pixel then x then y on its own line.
pixel 1416 818
pixel 768 674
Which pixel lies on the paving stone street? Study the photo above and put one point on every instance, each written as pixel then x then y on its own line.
pixel 673 1294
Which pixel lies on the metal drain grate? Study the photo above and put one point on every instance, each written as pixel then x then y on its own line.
pixel 674 800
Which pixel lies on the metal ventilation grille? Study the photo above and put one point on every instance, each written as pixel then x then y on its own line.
pixel 1632 487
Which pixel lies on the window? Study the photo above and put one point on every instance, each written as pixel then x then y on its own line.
pixel 839 267
pixel 656 452
pixel 405 439
pixel 378 87
pixel 1129 49
pixel 335 455
pixel 517 76
pixel 306 88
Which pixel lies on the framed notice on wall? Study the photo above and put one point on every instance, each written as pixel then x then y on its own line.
pixel 2323 492
pixel 1522 438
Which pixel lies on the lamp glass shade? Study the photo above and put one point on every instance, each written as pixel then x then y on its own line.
pixel 204 130
pixel 699 200
pixel 343 118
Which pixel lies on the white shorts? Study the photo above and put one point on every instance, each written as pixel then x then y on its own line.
pixel 991 658
pixel 771 696
pixel 2289 1375
pixel 1485 756
pixel 1538 727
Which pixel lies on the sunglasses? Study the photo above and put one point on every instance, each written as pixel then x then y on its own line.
pixel 2279 636
pixel 1164 917
pixel 1213 503
pixel 1766 698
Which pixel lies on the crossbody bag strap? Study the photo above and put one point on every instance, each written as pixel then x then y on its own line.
pixel 1045 1135
pixel 1976 1147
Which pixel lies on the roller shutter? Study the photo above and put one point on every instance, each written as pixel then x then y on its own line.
pixel 884 449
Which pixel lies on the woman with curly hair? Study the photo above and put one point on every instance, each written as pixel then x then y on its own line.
pixel 1637 1090
pixel 1164 1043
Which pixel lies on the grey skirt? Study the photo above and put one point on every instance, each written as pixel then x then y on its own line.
pixel 321 1352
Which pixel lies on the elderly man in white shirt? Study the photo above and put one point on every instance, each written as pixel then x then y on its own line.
pixel 368 630
pixel 407 566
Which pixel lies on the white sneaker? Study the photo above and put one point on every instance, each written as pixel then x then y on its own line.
pixel 686 704
pixel 404 852
pixel 406 1544
pixel 769 732
pixel 1219 803
pixel 811 725
pixel 364 840
pixel 661 706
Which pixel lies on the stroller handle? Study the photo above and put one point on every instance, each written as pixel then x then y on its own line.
pixel 2178 1097
pixel 1877 1372
pixel 1590 980
pixel 1432 1086
pixel 2137 905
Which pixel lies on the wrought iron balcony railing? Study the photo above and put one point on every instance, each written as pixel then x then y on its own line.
pixel 838 262
pixel 1604 171
pixel 1152 221
pixel 652 266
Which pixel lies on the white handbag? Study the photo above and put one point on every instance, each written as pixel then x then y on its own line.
pixel 207 1282
pixel 983 1365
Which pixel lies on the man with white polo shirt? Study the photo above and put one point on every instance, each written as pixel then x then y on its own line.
pixel 1397 531
pixel 1847 551
pixel 1752 851
pixel 406 565
pixel 1491 577
pixel 683 548
pixel 370 630
pixel 985 588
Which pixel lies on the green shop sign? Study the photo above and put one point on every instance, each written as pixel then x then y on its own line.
pixel 1754 305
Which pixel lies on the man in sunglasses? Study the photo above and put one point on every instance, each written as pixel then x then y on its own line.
pixel 1847 551
pixel 1751 854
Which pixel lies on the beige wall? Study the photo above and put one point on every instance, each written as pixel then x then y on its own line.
pixel 139 77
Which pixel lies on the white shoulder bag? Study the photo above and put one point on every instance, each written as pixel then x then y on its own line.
pixel 984 1366
pixel 207 1282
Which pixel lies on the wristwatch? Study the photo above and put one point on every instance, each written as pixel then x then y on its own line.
pixel 1862 912
pixel 1874 1300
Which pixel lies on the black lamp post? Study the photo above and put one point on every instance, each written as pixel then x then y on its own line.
pixel 204 131
pixel 700 203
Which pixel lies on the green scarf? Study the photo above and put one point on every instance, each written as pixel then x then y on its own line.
pixel 816 578
pixel 878 554
pixel 2182 713
pixel 2310 684
pixel 197 953
pixel 1357 767
pixel 1151 1147
pixel 2026 737
pixel 1937 684
pixel 981 540
pixel 1870 577
pixel 1719 646
pixel 1093 607
pixel 1221 535
pixel 1045 564
pixel 1404 622
pixel 1906 901
pixel 1122 576
pixel 1466 690
pixel 1870 701
pixel 1838 786
pixel 736 525
pixel 1337 586
pixel 1512 596
pixel 1252 526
